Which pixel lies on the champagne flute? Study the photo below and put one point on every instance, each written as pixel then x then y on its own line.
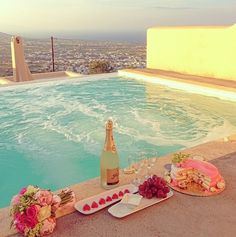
pixel 129 169
pixel 150 160
pixel 141 159
pixel 148 167
pixel 137 165
pixel 153 161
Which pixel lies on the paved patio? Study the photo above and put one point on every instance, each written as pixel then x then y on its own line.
pixel 181 215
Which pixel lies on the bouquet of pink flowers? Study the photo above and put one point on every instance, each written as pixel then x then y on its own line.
pixel 34 210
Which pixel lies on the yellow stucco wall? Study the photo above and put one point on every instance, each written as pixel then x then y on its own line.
pixel 203 51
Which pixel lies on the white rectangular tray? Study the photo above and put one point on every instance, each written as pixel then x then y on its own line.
pixel 120 210
pixel 80 204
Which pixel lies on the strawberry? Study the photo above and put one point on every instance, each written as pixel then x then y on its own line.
pixel 86 207
pixel 108 199
pixel 102 201
pixel 114 196
pixel 94 205
pixel 121 194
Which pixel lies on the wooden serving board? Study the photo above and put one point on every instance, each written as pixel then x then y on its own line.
pixel 195 190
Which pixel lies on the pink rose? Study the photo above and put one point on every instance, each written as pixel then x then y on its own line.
pixel 15 200
pixel 48 226
pixel 22 191
pixel 26 220
pixel 32 211
pixel 44 197
pixel 20 227
pixel 31 222
pixel 20 222
pixel 17 216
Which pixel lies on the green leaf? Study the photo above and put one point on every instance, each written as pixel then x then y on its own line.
pixel 179 157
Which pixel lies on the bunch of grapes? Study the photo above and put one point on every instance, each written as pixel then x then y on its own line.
pixel 154 187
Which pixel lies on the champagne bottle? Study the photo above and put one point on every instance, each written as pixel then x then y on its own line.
pixel 109 160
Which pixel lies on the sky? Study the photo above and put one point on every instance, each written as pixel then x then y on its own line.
pixel 108 19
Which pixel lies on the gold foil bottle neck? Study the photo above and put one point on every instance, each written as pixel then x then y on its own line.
pixel 109 124
pixel 109 142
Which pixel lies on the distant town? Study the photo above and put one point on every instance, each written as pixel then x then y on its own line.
pixel 73 55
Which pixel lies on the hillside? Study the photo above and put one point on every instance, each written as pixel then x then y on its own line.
pixel 4 36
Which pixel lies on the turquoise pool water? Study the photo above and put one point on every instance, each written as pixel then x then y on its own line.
pixel 51 134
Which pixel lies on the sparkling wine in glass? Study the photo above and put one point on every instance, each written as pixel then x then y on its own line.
pixel 129 169
pixel 137 164
pixel 153 161
pixel 150 160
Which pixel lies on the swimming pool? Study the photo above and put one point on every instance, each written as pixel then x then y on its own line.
pixel 52 133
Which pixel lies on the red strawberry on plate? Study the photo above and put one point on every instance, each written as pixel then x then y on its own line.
pixel 108 199
pixel 121 194
pixel 114 196
pixel 102 201
pixel 94 205
pixel 126 191
pixel 86 207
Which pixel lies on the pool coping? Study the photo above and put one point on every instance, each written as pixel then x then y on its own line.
pixel 9 80
pixel 220 88
pixel 210 150
pixel 51 77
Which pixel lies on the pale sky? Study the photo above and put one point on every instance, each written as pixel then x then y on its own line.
pixel 75 17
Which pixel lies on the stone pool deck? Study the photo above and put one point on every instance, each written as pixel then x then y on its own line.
pixel 45 76
pixel 208 86
pixel 228 85
pixel 181 215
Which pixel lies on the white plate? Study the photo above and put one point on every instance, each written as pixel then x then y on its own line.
pixel 121 210
pixel 79 206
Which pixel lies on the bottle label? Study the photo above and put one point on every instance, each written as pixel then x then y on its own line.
pixel 112 176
